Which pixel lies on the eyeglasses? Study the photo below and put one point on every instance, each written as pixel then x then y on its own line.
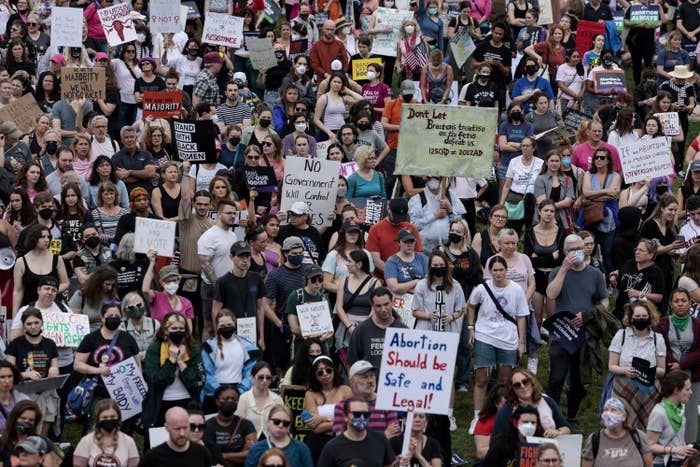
pixel 324 371
pixel 278 422
pixel 521 384
pixel 600 158
pixel 499 217
pixel 316 280
pixel 196 426
pixel 264 377
pixel 300 109
pixel 267 143
pixel 361 413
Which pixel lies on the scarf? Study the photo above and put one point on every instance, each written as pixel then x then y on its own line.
pixel 674 413
pixel 680 323
pixel 165 354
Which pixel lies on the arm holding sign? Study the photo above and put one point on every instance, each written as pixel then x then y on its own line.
pixel 148 277
pixel 80 365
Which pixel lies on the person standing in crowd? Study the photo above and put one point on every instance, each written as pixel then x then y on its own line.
pixel 177 451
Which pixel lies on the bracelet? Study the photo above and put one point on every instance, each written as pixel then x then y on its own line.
pixel 470 326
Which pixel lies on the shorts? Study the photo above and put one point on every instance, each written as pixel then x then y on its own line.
pixel 489 356
pixel 541 281
pixel 207 293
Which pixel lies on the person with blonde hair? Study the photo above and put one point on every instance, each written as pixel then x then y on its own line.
pixel 367 182
pixel 106 443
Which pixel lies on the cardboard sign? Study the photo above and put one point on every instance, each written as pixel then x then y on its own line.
pixel 82 83
pixel 462 47
pixel 262 178
pixel 117 24
pixel 23 112
pixel 385 43
pixel 262 55
pixel 417 370
pixel 314 318
pixel 194 141
pixel 403 305
pixel 546 13
pixel 446 141
pixel 161 104
pixel 585 30
pixel 220 29
pixel 369 211
pixel 293 397
pixel 609 80
pixel 313 181
pixel 165 16
pixel 126 387
pixel 570 337
pixel 670 124
pixel 247 328
pixel 297 48
pixel 154 234
pixel 64 23
pixel 65 329
pixel 640 14
pixel 646 158
pixel 574 119
pixel 359 67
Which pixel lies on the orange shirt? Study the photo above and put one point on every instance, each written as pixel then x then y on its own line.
pixel 392 111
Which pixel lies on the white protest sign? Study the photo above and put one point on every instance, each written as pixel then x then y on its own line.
pixel 322 149
pixel 313 181
pixel 247 329
pixel 348 168
pixel 126 387
pixel 403 305
pixel 569 447
pixel 117 24
pixel 417 370
pixel 670 123
pixel 385 43
pixel 65 329
pixel 646 158
pixel 220 29
pixel 262 55
pixel 183 16
pixel 64 22
pixel 546 13
pixel 165 16
pixel 314 318
pixel 154 234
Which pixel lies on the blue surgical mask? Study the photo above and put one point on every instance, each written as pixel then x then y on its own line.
pixel 579 256
pixel 359 424
pixel 432 11
pixel 296 260
pixel 566 161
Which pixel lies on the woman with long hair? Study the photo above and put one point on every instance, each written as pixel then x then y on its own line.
pixel 47 156
pixel 130 268
pixel 485 243
pixel 230 434
pixel 106 442
pixel 411 41
pixel 670 56
pixel 256 404
pixel 510 135
pixel 157 142
pixel 271 146
pixel 239 184
pixel 422 449
pixel 20 212
pixel 22 422
pixel 284 110
pixel 298 77
pixel 624 132
pixel 31 179
pixel 99 288
pixel 350 238
pixel 108 211
pixel 48 91
pixel 127 73
pixel 483 430
pixel 273 250
pixel 504 445
pixel 168 301
pixel 103 171
pixel 165 199
pixel 255 134
pixel 519 182
pixel 73 213
pixel 592 57
pixel 187 64
pixel 549 52
pixel 554 184
pixel 17 58
pixel 329 115
pixel 298 373
pixel 639 278
pixel 84 160
pixel 571 80
pixel 437 304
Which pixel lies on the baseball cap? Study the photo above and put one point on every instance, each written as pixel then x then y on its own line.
pixel 408 87
pixel 48 280
pixel 299 207
pixel 406 234
pixel 169 270
pixel 292 242
pixel 101 56
pixel 313 271
pixel 240 248
pixel 399 209
pixel 10 129
pixel 240 76
pixel 694 166
pixel 349 226
pixel 34 445
pixel 58 58
pixel 360 367
pixel 213 57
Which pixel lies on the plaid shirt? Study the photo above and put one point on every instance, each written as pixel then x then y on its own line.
pixel 206 87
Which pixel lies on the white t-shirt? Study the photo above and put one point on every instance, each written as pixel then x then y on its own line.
pixel 491 327
pixel 203 176
pixel 568 75
pixel 229 370
pixel 690 232
pixel 523 176
pixel 659 423
pixel 65 354
pixel 88 452
pixel 217 242
pixel 648 347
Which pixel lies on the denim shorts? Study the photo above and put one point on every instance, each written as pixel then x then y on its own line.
pixel 488 356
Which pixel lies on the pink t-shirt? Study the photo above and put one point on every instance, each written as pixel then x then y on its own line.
pixel 161 306
pixel 377 95
pixel 583 154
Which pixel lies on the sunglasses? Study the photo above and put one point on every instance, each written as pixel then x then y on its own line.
pixel 358 414
pixel 267 143
pixel 324 371
pixel 278 422
pixel 521 384
pixel 316 280
pixel 253 158
pixel 600 158
pixel 32 24
pixel 264 377
pixel 196 426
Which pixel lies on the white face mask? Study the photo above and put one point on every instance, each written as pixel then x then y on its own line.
pixel 141 37
pixel 171 287
pixel 410 29
pixel 527 428
pixel 371 75
pixel 433 184
pixel 301 69
pixel 300 127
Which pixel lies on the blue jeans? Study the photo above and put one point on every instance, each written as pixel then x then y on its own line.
pixel 464 356
pixel 605 240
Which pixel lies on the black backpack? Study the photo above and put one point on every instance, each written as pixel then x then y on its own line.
pixel 595 441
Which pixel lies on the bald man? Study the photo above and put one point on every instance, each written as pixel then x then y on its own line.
pixel 177 451
pixel 327 49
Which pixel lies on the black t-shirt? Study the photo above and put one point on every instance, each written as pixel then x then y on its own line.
pixel 240 294
pixel 430 451
pixel 313 243
pixel 603 12
pixel 485 51
pixel 689 14
pixel 195 456
pixel 373 451
pixel 648 280
pixel 460 27
pixel 229 438
pixel 96 347
pixel 30 356
pixel 129 275
pixel 483 96
pixel 142 85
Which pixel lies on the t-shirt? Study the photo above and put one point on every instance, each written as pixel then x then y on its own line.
pixel 481 96
pixel 141 85
pixel 659 423
pixel 581 289
pixel 161 306
pixel 649 347
pixel 617 452
pixel 648 280
pixel 203 176
pixel 523 176
pixel 129 275
pixel 280 283
pixel 426 299
pixel 216 242
pixel 378 421
pixel 524 85
pixel 97 346
pixel 568 75
pixel 431 450
pixel 518 273
pixel 377 95
pixel 485 51
pixel 373 451
pixel 367 342
pixel 314 246
pixel 89 453
pixel 689 14
pixel 233 114
pixel 515 134
pixel 240 294
pixel 229 438
pixel 33 357
pixel 404 271
pixel 491 327
pixel 583 153
pixel 65 355
pixel 195 456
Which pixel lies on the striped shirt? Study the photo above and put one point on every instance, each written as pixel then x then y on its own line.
pixel 233 114
pixel 378 421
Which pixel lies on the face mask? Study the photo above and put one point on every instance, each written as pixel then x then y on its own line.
pixel 112 323
pixel 566 161
pixel 227 331
pixel 108 425
pixel 92 242
pixel 45 213
pixel 264 122
pixel 438 271
pixel 234 140
pixel 530 69
pixel 135 313
pixel 227 408
pixel 579 256
pixel 455 238
pixel 51 147
pixel 371 75
pixel 364 126
pixel 295 260
pixel 527 429
pixel 432 11
pixel 661 189
pixel 407 97
pixel 516 116
pixel 176 337
pixel 410 30
pixel 433 184
pixel 279 54
pixel 36 334
pixel 483 77
pixel 24 428
pixel 75 52
pixel 171 287
pixel 304 16
pixel 300 127
pixel 141 37
pixel 193 52
pixel 215 119
pixel 301 69
pixel 607 61
pixel 359 424
pixel 342 191
pixel 641 324
pixel 611 419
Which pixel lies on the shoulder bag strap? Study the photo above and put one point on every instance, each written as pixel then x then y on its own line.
pixel 354 295
pixel 408 268
pixel 498 305
pixel 111 344
pixel 233 435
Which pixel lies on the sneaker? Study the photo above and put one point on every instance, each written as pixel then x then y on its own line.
pixel 453 423
pixel 472 425
pixel 463 388
pixel 458 460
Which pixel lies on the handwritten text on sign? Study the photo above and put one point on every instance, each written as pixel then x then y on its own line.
pixel 646 158
pixel 313 181
pixel 165 16
pixel 154 234
pixel 117 24
pixel 417 369
pixel 79 83
pixel 64 22
pixel 220 29
pixel 314 318
pixel 127 387
pixel 66 329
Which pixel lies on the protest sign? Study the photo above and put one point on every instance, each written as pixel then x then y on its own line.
pixel 192 9
pixel 82 83
pixel 640 14
pixel 293 397
pixel 298 47
pixel 446 141
pixel 46 384
pixel 585 30
pixel 247 328
pixel 262 55
pixel 416 371
pixel 609 80
pixel 23 112
pixel 348 168
pixel 262 178
pixel 194 141
pixel 117 24
pixel 570 337
pixel 403 305
pixel 534 35
pixel 220 29
pixel 359 67
pixel 462 47
pixel 546 13
pixel 369 211
pixel 184 15
pixel 322 149
pixel 154 234
pixel 161 104
pixel 386 18
pixel 646 158
pixel 670 124
pixel 527 454
pixel 550 139
pixel 569 448
pixel 165 16
pixel 574 119
pixel 313 181
pixel 65 329
pixel 272 11
pixel 314 318
pixel 619 19
pixel 64 23
pixel 126 387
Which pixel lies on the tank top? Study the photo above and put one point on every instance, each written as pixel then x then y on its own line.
pixel 519 14
pixel 272 260
pixel 487 250
pixel 333 114
pixel 30 281
pixel 436 86
pixel 362 305
pixel 171 206
pixel 541 250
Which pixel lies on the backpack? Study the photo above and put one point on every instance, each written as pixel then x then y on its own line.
pixel 595 441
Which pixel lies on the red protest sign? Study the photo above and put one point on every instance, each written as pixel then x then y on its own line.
pixel 162 104
pixel 585 30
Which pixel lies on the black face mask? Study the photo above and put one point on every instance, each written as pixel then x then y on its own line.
pixel 530 69
pixel 135 312
pixel 484 77
pixel 607 62
pixel 193 52
pixel 661 189
pixel 641 324
pixel 227 331
pixel 304 17
pixel 516 116
pixel 92 242
pixel 234 140
pixel 364 126
pixel 438 271
pixel 227 408
pixel 36 334
pixel 112 323
pixel 265 122
pixel 455 238
pixel 51 147
pixel 46 213
pixel 176 337
pixel 75 52
pixel 407 97
pixel 24 428
pixel 108 425
pixel 279 54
